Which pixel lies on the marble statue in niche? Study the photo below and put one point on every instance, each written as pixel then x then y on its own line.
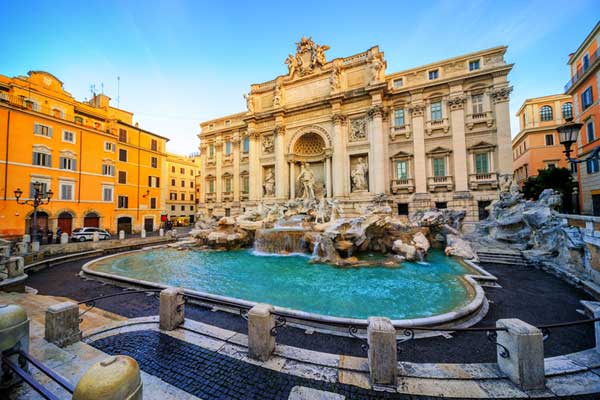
pixel 307 181
pixel 359 176
pixel 269 182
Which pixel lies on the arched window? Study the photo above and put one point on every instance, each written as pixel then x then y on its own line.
pixel 567 110
pixel 546 113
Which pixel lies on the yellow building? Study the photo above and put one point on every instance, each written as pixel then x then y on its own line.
pixel 104 170
pixel 181 200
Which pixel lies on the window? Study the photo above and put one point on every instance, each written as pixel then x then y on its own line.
pixel 68 137
pixel 433 74
pixel 228 123
pixel 154 162
pixel 573 168
pixel 546 113
pixel 399 117
pixel 227 148
pixel 42 130
pixel 436 111
pixel 68 163
pixel 567 110
pixel 172 208
pixel 173 183
pixel 551 165
pixel 42 159
pixel 228 185
pixel 122 155
pixel 211 186
pixel 123 202
pixel 122 135
pixel 228 212
pixel 79 120
pixel 550 140
pixel 589 127
pixel 477 103
pixel 473 65
pixel 481 163
pixel 245 184
pixel 592 166
pixel 587 98
pixel 173 169
pixel 57 113
pixel 182 195
pixel 211 150
pixel 43 189
pixel 191 184
pixel 440 205
pixel 586 61
pixel 172 196
pixel 154 145
pixel 66 191
pixel 246 145
pixel 192 172
pixel 182 183
pixel 439 166
pixel 182 208
pixel 154 181
pixel 401 169
pixel 191 197
pixel 398 83
pixel 182 171
pixel 109 146
pixel 107 193
pixel 122 177
pixel 153 202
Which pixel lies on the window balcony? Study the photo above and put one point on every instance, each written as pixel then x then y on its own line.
pixel 581 72
pixel 485 117
pixel 399 186
pixel 440 183
pixel 211 197
pixel 437 124
pixel 227 196
pixel 487 181
pixel 244 196
pixel 399 131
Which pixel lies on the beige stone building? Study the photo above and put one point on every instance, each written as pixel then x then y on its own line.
pixel 181 172
pixel 432 136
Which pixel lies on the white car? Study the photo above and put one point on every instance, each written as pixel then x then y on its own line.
pixel 83 234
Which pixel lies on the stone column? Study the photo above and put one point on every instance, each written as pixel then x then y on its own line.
pixel 500 97
pixel 339 155
pixel 418 127
pixel 254 162
pixel 328 176
pixel 62 324
pixel 219 164
pixel 383 358
pixel 459 147
pixel 376 151
pixel 235 144
pixel 292 180
pixel 261 343
pixel 524 360
pixel 281 171
pixel 171 309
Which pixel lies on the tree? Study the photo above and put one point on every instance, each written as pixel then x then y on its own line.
pixel 559 179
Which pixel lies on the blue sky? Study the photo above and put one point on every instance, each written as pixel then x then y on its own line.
pixel 182 62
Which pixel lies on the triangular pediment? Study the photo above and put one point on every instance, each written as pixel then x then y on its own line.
pixel 439 150
pixel 482 146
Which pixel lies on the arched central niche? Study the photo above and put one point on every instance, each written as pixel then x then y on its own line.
pixel 309 144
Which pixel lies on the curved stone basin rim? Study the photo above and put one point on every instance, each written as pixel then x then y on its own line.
pixel 433 321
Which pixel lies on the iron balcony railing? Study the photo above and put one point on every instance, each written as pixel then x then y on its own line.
pixel 594 57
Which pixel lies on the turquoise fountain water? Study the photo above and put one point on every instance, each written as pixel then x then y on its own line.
pixel 411 291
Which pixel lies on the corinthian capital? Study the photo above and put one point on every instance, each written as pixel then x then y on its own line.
pixel 417 109
pixel 338 119
pixel 501 94
pixel 279 130
pixel 376 112
pixel 456 102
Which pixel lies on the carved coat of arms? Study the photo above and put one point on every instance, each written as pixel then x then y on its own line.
pixel 308 57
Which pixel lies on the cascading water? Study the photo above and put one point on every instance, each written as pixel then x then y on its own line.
pixel 280 241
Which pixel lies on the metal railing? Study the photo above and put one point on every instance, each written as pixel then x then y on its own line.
pixel 594 57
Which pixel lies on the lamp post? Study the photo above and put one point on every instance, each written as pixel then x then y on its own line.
pixel 37 200
pixel 567 134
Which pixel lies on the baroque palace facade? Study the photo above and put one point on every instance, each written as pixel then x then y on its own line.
pixel 431 136
pixel 104 170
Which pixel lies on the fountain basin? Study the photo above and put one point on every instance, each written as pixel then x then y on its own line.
pixel 440 294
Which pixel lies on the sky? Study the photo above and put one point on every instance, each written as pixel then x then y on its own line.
pixel 183 62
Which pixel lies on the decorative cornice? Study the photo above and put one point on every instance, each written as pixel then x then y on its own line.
pixel 502 94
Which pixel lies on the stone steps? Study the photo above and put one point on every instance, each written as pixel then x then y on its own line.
pixel 502 256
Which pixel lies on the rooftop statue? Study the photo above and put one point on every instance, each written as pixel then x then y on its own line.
pixel 308 56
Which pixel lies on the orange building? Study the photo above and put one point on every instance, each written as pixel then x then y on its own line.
pixel 584 88
pixel 104 170
pixel 537 145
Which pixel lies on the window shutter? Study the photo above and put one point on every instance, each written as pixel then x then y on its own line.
pixel 50 131
pixel 33 159
pixel 74 165
pixel 31 190
pixel 157 182
pixel 150 181
pixel 49 160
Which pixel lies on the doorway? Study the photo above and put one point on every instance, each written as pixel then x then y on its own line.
pixel 149 224
pixel 124 224
pixel 91 220
pixel 65 222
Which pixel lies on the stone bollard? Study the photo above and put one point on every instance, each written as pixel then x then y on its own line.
pixel 16 267
pixel 172 308
pixel 161 232
pixel 64 238
pixel 383 359
pixel 23 248
pixel 114 378
pixel 35 247
pixel 95 237
pixel 121 235
pixel 26 238
pixel 62 324
pixel 143 233
pixel 525 344
pixel 261 343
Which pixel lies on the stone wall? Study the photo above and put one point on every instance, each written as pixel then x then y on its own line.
pixel 590 230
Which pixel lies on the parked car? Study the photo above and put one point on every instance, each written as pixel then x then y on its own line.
pixel 83 234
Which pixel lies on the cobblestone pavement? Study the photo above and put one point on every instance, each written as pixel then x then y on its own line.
pixel 213 376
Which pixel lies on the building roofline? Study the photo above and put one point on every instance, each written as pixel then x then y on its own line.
pixel 142 130
pixel 584 44
pixel 541 99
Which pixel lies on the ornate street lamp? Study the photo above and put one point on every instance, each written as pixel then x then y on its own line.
pixel 39 198
pixel 568 135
